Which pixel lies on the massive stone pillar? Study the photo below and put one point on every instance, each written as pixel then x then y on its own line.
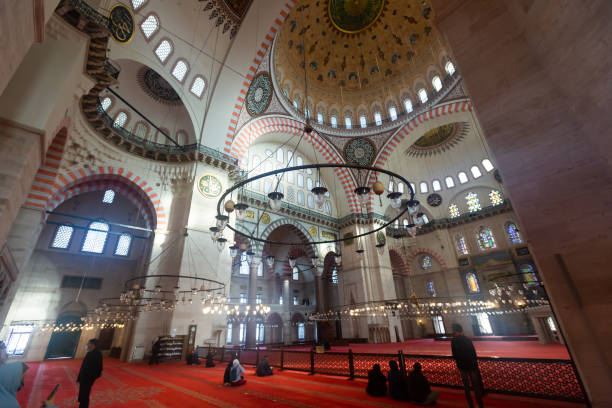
pixel 538 74
pixel 286 313
pixel 251 339
pixel 320 290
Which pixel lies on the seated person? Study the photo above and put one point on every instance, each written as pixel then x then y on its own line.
pixel 377 383
pixel 209 359
pixel 237 374
pixel 420 391
pixel 326 345
pixel 193 358
pixel 227 373
pixel 398 387
pixel 263 368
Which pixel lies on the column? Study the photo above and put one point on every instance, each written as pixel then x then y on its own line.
pixel 251 340
pixel 320 290
pixel 543 111
pixel 286 313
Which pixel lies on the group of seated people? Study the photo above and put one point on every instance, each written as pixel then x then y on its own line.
pixel 413 387
pixel 193 358
pixel 234 372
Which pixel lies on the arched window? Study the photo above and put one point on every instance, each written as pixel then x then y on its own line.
pixel 405 223
pixel 462 248
pixel 290 177
pixel 62 237
pixel 228 339
pixel 328 209
pixel 391 185
pixel 377 118
pixel 136 4
pixel 400 188
pixel 475 172
pixel 392 113
pixel 181 67
pixel 181 137
pixel 296 105
pixel 472 283
pixel 513 233
pixel 426 262
pixel 423 95
pixel 309 184
pixel 425 219
pixel 267 186
pixel 453 210
pixel 485 238
pixel 123 245
pixel 108 197
pixel 319 118
pixel 149 26
pixel 496 198
pixel 529 274
pixel 450 183
pixel 437 83
pixel 334 276
pixel 450 68
pixel 333 121
pixel 120 120
pixel 431 288
pixel 362 121
pixel 163 50
pixel 106 103
pixel 280 157
pixel 486 163
pixel 95 239
pixel 423 187
pixel 348 123
pixel 300 197
pixel 436 185
pixel 295 273
pixel 244 265
pixel 463 178
pixel 472 202
pixel 141 130
pixel 310 201
pixel 300 180
pixel 198 85
pixel 408 105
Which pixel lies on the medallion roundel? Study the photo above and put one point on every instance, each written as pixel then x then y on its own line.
pixel 359 151
pixel 121 23
pixel 381 239
pixel 209 186
pixel 259 94
pixel 434 199
pixel 353 16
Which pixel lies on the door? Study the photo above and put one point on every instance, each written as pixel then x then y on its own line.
pixel 63 344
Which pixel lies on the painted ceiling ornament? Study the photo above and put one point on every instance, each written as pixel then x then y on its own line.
pixel 259 94
pixel 209 186
pixel 360 151
pixel 434 199
pixel 228 12
pixel 439 140
pixel 381 239
pixel 157 87
pixel 354 16
pixel 121 23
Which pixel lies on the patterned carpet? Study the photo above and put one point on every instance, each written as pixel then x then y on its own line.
pixel 178 385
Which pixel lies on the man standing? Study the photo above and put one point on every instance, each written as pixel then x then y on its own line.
pixel 90 371
pixel 467 363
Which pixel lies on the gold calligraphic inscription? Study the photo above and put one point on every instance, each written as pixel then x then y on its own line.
pixel 121 23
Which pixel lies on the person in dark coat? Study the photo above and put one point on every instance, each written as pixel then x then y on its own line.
pixel 209 359
pixel 398 387
pixel 227 373
pixel 155 349
pixel 420 391
pixel 377 383
pixel 465 357
pixel 91 370
pixel 263 368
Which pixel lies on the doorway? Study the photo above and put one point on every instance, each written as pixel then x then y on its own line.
pixel 63 344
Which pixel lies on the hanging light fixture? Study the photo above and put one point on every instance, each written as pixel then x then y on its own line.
pixel 413 206
pixel 233 251
pixel 249 256
pixel 396 199
pixel 214 233
pixel 240 210
pixel 221 221
pixel 362 194
pixel 270 260
pixel 292 262
pixel 275 199
pixel 221 243
pixel 319 196
pixel 314 261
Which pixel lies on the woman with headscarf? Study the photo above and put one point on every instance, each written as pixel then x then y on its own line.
pixel 377 383
pixel 11 381
pixel 237 374
pixel 398 387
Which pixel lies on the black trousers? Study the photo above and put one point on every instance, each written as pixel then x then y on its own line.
pixel 84 391
pixel 473 377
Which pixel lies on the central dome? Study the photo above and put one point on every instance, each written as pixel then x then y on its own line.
pixel 360 56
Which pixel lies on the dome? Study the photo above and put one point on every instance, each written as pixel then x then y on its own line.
pixel 361 56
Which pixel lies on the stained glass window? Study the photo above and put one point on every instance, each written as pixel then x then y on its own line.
pixel 485 238
pixel 62 237
pixel 426 262
pixel 472 283
pixel 198 85
pixel 430 288
pixel 453 210
pixel 496 198
pixel 95 238
pixel 461 245
pixel 529 275
pixel 513 233
pixel 123 245
pixel 472 202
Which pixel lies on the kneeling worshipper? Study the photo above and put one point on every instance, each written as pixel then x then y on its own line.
pixel 209 359
pixel 263 368
pixel 237 374
pixel 377 383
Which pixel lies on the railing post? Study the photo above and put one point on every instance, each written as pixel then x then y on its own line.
pixel 312 362
pixel 282 359
pixel 351 365
pixel 402 362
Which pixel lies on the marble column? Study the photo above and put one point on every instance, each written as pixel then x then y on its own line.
pixel 286 313
pixel 251 340
pixel 320 290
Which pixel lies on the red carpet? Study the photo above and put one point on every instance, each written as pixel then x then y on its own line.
pixel 179 385
pixel 517 349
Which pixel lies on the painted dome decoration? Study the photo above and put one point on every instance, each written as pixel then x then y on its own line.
pixel 259 94
pixel 438 140
pixel 157 87
pixel 353 16
pixel 359 151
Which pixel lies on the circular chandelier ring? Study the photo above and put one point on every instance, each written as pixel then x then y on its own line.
pixel 220 285
pixel 315 166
